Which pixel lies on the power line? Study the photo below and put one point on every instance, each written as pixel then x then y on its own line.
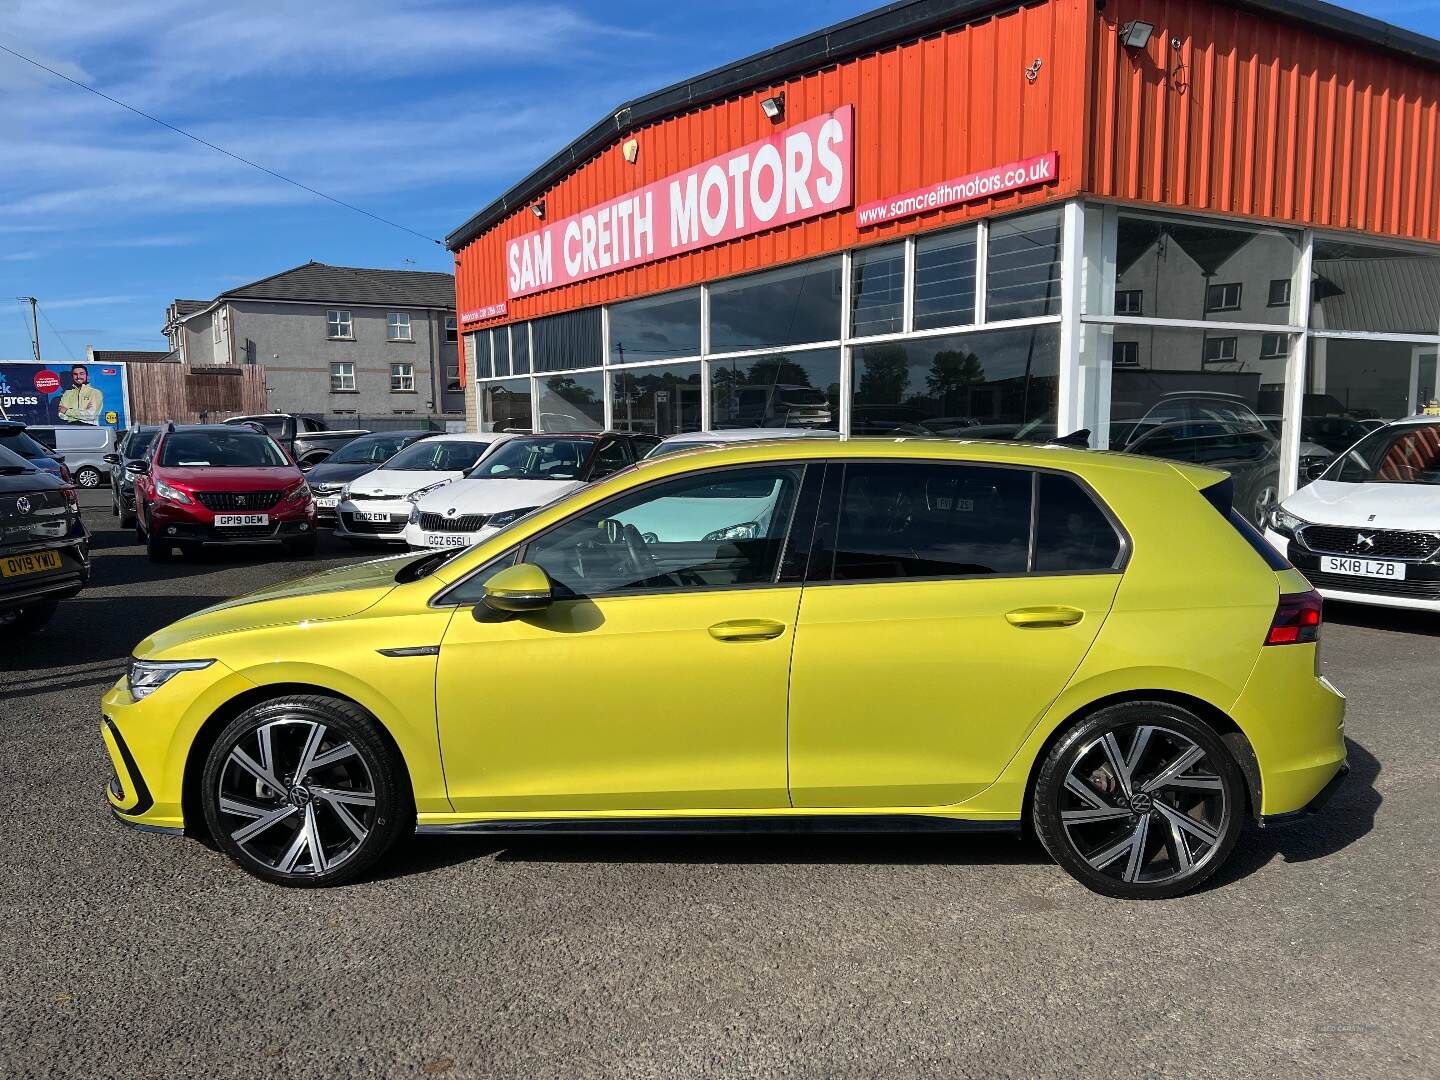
pixel 44 315
pixel 218 149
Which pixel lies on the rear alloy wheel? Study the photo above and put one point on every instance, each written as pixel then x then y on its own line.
pixel 87 476
pixel 305 791
pixel 1140 801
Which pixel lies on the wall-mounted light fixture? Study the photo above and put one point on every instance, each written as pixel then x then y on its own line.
pixel 538 209
pixel 631 150
pixel 1136 34
pixel 773 106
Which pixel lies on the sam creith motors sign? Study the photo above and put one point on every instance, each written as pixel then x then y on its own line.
pixel 798 173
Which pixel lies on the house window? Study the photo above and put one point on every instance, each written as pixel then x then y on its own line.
pixel 1126 354
pixel 397 326
pixel 1279 292
pixel 452 329
pixel 1223 297
pixel 1274 346
pixel 215 327
pixel 1220 350
pixel 1129 301
pixel 452 377
pixel 342 376
pixel 402 378
pixel 338 326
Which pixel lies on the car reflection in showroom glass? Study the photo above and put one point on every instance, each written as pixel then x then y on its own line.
pixel 716 530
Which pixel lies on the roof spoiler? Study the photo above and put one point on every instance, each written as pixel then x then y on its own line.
pixel 1079 439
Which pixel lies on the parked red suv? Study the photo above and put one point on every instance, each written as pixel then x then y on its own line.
pixel 208 484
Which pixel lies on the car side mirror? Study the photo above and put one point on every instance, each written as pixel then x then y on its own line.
pixel 112 459
pixel 1315 468
pixel 137 467
pixel 517 590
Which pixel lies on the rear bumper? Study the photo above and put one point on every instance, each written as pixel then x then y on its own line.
pixel 1313 807
pixel 19 592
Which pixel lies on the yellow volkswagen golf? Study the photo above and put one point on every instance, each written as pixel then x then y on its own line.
pixel 810 636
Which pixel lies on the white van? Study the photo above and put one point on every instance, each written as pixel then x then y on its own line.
pixel 82 446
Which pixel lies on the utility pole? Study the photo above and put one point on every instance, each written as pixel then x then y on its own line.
pixel 34 326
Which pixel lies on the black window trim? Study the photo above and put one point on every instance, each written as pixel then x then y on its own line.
pixel 777 578
pixel 832 523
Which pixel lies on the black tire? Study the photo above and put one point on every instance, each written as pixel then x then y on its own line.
pixel 31 618
pixel 371 767
pixel 87 476
pixel 301 548
pixel 158 548
pixel 1083 826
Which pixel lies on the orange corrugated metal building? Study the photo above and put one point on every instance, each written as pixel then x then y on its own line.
pixel 1114 210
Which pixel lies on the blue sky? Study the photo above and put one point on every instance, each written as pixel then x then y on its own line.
pixel 421 112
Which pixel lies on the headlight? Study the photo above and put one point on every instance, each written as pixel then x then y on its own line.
pixel 746 530
pixel 296 493
pixel 508 517
pixel 414 514
pixel 174 494
pixel 416 496
pixel 147 676
pixel 1285 523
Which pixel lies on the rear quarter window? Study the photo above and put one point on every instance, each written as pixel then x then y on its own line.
pixel 1072 533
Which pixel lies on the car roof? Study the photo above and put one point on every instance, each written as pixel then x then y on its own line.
pixel 978 451
pixel 725 435
pixel 215 429
pixel 1418 418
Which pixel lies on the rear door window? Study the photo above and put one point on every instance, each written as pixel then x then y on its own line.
pixel 925 520
pixel 1072 533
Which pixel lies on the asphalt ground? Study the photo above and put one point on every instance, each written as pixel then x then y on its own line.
pixel 133 955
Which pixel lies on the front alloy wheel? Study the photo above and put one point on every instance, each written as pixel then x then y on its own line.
pixel 1140 801
pixel 304 791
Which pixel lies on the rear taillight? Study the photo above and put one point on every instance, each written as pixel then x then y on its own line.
pixel 65 474
pixel 71 498
pixel 1297 619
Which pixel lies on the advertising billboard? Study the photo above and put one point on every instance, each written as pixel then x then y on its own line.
pixel 48 394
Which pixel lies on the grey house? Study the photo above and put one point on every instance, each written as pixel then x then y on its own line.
pixel 355 346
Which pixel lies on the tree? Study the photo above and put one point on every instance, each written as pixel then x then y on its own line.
pixel 884 375
pixel 953 372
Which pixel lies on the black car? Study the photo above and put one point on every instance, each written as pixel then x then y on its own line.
pixel 44 548
pixel 122 477
pixel 354 459
pixel 18 441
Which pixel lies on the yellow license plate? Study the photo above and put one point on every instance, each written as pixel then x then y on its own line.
pixel 40 561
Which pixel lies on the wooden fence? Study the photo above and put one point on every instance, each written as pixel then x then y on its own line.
pixel 188 395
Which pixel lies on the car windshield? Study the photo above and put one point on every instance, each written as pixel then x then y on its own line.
pixel 138 443
pixel 675 448
pixel 1402 454
pixel 536 459
pixel 371 450
pixel 214 449
pixel 24 445
pixel 438 455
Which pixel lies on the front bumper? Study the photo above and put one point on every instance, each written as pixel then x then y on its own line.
pixel 149 741
pixel 417 537
pixel 1420 591
pixel 389 531
pixel 178 526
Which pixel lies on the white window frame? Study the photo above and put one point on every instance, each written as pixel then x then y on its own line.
pixel 339 325
pixel 395 322
pixel 1234 350
pixel 452 330
pixel 406 377
pixel 1223 286
pixel 338 376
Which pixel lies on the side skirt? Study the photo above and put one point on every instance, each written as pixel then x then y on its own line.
pixel 719 826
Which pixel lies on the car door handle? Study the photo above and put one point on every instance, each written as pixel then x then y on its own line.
pixel 747 630
pixel 1036 618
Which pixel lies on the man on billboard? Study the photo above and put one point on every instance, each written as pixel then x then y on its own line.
pixel 82 403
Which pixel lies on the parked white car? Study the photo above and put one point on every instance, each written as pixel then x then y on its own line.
pixel 528 472
pixel 701 440
pixel 375 507
pixel 1368 528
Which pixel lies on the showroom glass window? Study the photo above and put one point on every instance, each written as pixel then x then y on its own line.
pixel 505 406
pixel 712 530
pixel 570 340
pixel 945 279
pixel 573 402
pixel 789 306
pixel 1022 274
pixel 994 384
pixel 500 337
pixel 655 328
pixel 794 389
pixel 924 520
pixel 1371 288
pixel 1195 269
pixel 663 400
pixel 877 290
